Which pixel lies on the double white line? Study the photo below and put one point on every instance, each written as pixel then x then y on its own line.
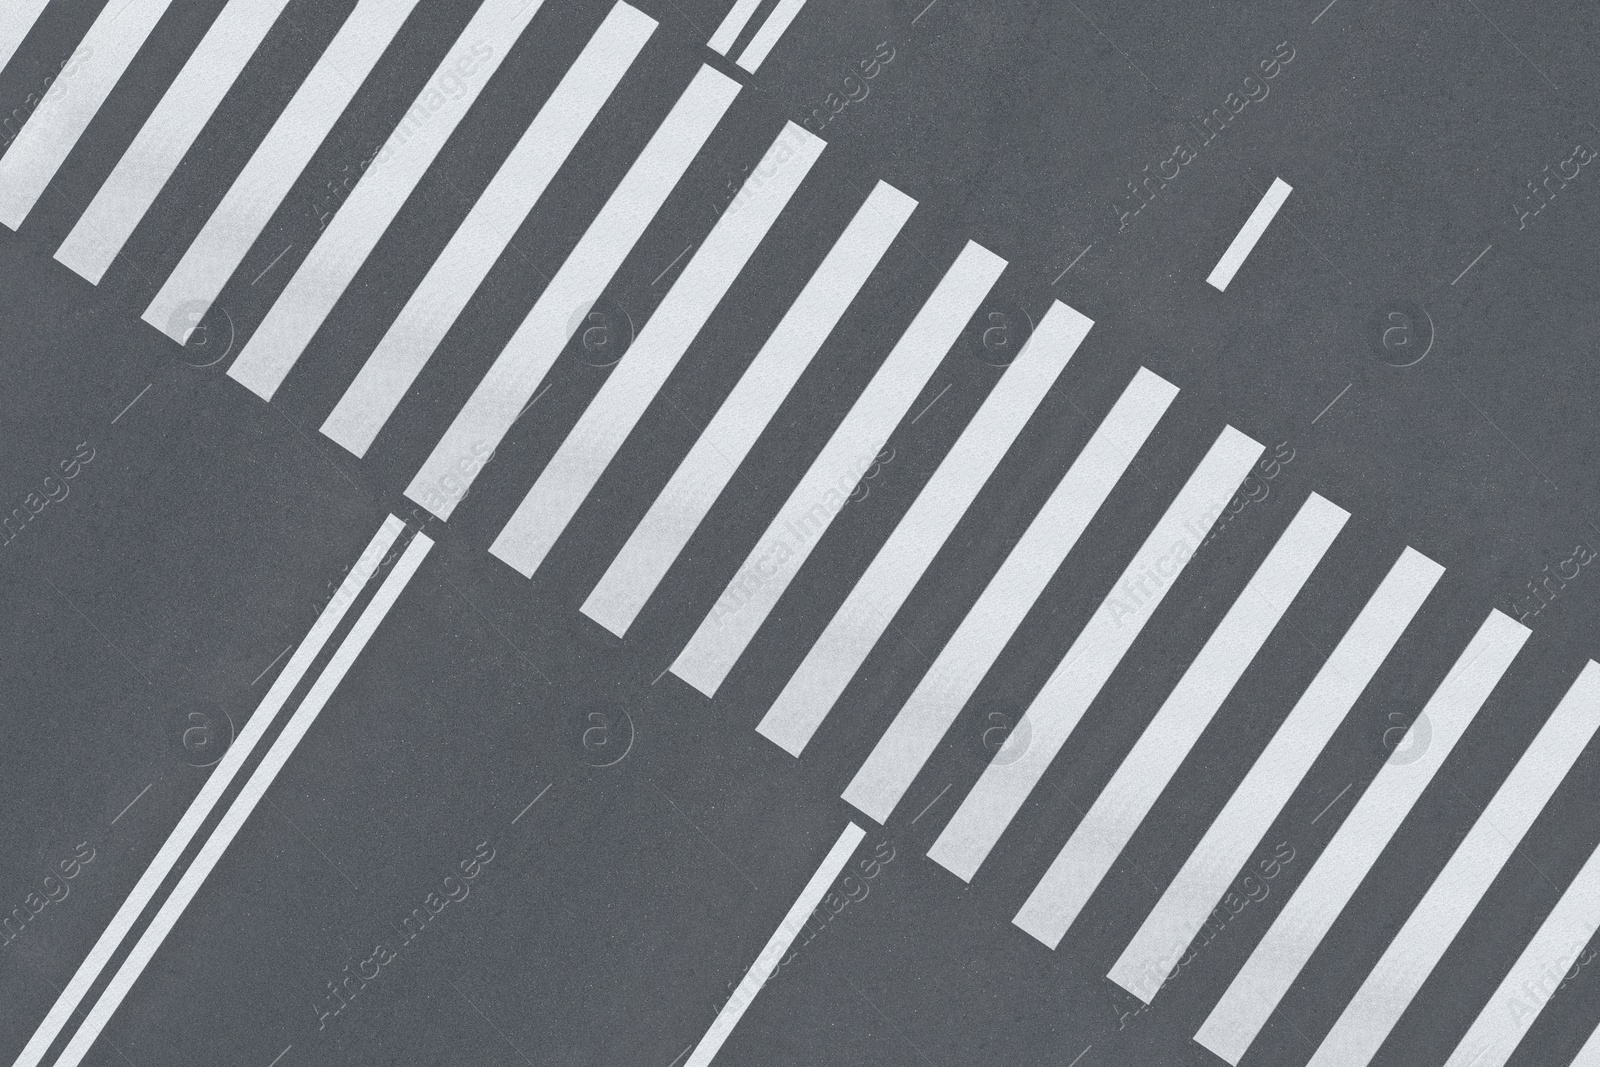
pixel 211 793
pixel 767 36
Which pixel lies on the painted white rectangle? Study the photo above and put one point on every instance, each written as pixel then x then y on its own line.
pixel 1017 768
pixel 1393 983
pixel 254 789
pixel 1272 778
pixel 488 228
pixel 1589 1054
pixel 1541 968
pixel 1142 776
pixel 52 131
pixel 494 405
pixel 921 723
pixel 767 36
pixel 210 793
pixel 1246 238
pixel 769 568
pixel 1318 900
pixel 732 25
pixel 777 947
pixel 166 136
pixel 688 495
pixel 921 532
pixel 277 344
pixel 274 166
pixel 18 16
pixel 592 444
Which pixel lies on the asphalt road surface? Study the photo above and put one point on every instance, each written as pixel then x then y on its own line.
pixel 300 765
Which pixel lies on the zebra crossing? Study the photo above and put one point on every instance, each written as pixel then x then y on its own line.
pixel 718 640
pixel 277 344
pixel 166 137
pixel 461 268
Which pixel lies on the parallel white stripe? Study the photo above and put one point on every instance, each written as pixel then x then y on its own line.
pixel 166 136
pixel 53 129
pixel 1246 238
pixel 724 633
pixel 215 785
pixel 767 36
pixel 731 26
pixel 616 409
pixel 1141 777
pixel 1226 846
pixel 1411 957
pixel 921 723
pixel 16 19
pixel 245 803
pixel 494 405
pixel 488 228
pixel 1589 1054
pixel 1012 775
pixel 1536 975
pixel 777 946
pixel 274 166
pixel 677 512
pixel 917 538
pixel 1318 900
pixel 344 246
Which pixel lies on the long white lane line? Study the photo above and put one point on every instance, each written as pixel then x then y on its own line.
pixel 200 808
pixel 810 897
pixel 243 804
